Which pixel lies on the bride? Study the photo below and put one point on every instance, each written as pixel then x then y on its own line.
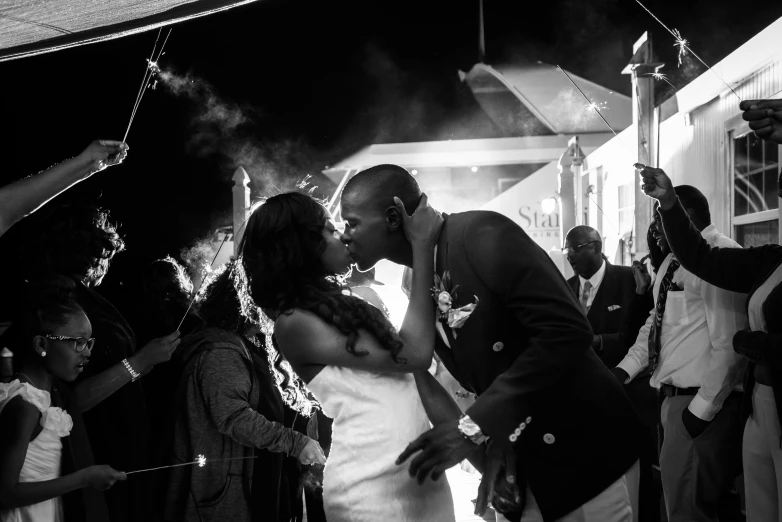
pixel 356 363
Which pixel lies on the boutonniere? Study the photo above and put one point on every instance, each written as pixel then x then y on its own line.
pixel 444 296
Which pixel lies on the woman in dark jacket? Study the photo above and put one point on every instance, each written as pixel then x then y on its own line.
pixel 229 408
pixel 756 271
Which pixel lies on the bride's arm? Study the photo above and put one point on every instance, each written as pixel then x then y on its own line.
pixel 418 326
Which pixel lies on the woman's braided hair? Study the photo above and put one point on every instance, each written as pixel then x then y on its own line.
pixel 281 251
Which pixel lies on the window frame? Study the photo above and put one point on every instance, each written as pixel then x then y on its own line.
pixel 736 128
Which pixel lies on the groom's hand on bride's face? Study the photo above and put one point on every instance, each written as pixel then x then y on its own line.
pixel 440 448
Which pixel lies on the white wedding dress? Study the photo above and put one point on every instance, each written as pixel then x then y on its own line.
pixel 42 461
pixel 375 417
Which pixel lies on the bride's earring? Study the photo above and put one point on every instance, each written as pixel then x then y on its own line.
pixel 43 353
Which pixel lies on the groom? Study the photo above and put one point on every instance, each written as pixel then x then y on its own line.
pixel 524 348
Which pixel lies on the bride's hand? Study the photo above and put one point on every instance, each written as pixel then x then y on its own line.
pixel 423 228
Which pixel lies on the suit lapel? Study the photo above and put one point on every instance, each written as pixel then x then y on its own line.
pixel 575 285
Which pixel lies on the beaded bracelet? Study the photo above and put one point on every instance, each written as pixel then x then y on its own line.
pixel 133 374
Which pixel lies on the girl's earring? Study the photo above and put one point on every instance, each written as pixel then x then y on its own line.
pixel 43 353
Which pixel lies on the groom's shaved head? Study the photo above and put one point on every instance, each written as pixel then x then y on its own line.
pixel 373 226
pixel 376 187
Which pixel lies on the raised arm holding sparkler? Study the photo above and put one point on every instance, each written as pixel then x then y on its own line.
pixel 23 197
pixel 765 118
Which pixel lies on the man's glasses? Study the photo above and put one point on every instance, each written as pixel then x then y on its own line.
pixel 79 343
pixel 576 249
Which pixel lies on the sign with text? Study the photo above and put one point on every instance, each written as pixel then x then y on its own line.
pixel 522 204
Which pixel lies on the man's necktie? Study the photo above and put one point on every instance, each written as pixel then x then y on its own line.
pixel 657 324
pixel 585 295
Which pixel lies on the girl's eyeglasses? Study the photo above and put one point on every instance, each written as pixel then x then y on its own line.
pixel 79 343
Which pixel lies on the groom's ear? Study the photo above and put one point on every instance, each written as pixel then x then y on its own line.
pixel 393 219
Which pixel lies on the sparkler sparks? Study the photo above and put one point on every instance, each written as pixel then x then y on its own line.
pixel 681 43
pixel 201 461
pixel 597 106
pixel 663 77
pixel 149 73
pixel 591 105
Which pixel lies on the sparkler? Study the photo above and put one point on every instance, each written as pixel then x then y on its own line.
pixel 591 105
pixel 151 70
pixel 681 43
pixel 195 294
pixel 663 77
pixel 199 461
pixel 684 45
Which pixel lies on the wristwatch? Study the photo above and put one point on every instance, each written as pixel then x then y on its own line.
pixel 471 431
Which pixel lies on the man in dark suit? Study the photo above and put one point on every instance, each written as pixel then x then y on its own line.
pixel 613 302
pixel 617 303
pixel 513 334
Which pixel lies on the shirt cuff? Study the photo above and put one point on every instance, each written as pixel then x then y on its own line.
pixel 702 408
pixel 631 367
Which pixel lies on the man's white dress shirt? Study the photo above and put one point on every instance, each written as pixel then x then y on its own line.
pixel 696 338
pixel 595 281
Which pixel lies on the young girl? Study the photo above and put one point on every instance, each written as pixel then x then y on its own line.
pixel 56 346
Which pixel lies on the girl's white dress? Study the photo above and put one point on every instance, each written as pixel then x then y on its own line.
pixel 42 461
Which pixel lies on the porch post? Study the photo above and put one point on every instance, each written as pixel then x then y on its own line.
pixel 241 204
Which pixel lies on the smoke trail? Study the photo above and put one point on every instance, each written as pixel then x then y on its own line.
pixel 226 115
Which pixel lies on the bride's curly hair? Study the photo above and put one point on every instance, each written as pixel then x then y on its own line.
pixel 281 251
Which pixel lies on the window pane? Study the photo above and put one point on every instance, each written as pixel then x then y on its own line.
pixel 770 188
pixel 749 193
pixel 755 152
pixel 626 219
pixel 756 234
pixel 740 155
pixel 772 154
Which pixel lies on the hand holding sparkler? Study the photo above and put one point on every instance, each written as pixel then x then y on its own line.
pixel 656 184
pixel 155 352
pixel 103 153
pixel 765 118
pixel 312 454
pixel 641 275
pixel 100 477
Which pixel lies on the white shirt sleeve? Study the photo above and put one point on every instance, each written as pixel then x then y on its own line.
pixel 725 315
pixel 637 357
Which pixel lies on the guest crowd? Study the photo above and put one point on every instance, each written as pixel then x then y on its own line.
pixel 690 333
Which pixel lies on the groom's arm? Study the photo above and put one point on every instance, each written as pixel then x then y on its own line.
pixel 556 333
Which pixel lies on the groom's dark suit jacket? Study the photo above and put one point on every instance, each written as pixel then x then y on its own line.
pixel 526 352
pixel 617 312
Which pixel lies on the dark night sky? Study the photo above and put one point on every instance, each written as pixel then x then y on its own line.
pixel 316 81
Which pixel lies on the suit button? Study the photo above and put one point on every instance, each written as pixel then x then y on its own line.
pixel 513 437
pixel 529 419
pixel 497 347
pixel 548 438
pixel 522 425
pixel 517 432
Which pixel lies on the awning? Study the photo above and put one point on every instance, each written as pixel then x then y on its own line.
pixel 28 27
